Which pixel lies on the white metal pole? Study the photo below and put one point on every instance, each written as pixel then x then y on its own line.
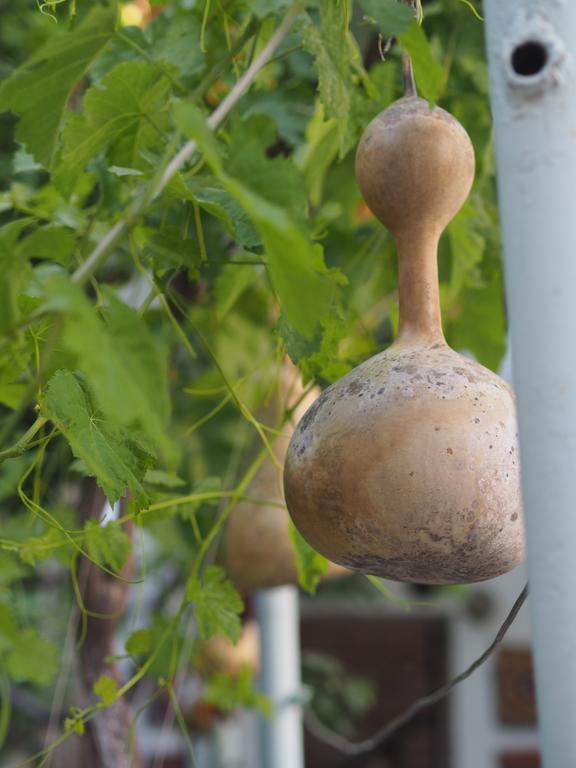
pixel 530 49
pixel 279 618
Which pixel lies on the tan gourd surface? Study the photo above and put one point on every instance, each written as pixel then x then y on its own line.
pixel 407 467
pixel 257 551
pixel 221 656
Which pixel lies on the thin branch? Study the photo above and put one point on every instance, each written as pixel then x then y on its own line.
pixel 338 742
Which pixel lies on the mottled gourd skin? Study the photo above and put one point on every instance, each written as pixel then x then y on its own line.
pixel 407 467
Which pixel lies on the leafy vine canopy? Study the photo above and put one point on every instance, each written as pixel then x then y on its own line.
pixel 178 212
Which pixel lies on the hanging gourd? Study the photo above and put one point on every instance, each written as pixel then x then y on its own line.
pixel 407 467
pixel 257 550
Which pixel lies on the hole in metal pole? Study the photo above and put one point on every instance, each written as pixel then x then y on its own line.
pixel 529 58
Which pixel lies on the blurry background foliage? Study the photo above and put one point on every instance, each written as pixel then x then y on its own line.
pixel 148 375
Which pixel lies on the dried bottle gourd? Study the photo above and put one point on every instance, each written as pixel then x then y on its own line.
pixel 408 467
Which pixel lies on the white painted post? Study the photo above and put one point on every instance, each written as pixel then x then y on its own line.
pixel 282 743
pixel 531 49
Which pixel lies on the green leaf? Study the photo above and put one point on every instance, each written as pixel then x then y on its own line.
pixel 305 287
pixel 10 570
pixel 39 90
pixel 178 45
pixel 122 360
pixel 428 72
pixel 276 179
pixel 139 642
pixel 310 565
pixel 32 659
pixel 14 272
pixel 37 548
pixel 51 242
pixel 8 628
pixel 231 283
pixel 116 456
pixel 317 358
pixel 229 693
pixel 329 44
pixel 163 479
pixel 319 153
pixel 191 121
pixel 391 17
pixel 479 326
pixel 217 604
pixel 263 8
pixel 121 117
pixel 219 203
pixel 467 245
pixel 106 688
pixel 107 544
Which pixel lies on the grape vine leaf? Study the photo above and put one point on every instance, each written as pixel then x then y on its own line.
pixel 330 47
pixel 139 642
pixel 263 8
pixel 229 692
pixel 428 71
pixel 117 457
pixel 310 565
pixel 480 325
pixel 106 688
pixel 217 604
pixel 219 203
pixel 123 116
pixel 230 284
pixel 51 242
pixel 107 544
pixel 191 121
pixel 177 44
pixel 13 270
pixel 390 16
pixel 126 367
pixel 276 179
pixel 29 658
pixel 305 286
pixel 39 90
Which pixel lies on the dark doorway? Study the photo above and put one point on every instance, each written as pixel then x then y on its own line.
pixel 402 659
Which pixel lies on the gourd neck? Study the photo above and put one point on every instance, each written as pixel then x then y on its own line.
pixel 420 317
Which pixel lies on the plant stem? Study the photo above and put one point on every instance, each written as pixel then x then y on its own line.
pixel 23 443
pixel 408 73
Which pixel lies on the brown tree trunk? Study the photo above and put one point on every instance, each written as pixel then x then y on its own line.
pixel 107 743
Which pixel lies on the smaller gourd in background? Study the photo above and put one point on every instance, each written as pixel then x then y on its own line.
pixel 257 550
pixel 408 467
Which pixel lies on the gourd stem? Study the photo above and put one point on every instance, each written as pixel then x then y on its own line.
pixel 420 315
pixel 408 73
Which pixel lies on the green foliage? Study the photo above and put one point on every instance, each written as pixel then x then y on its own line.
pixel 106 688
pixel 310 565
pixel 217 604
pixel 151 374
pixel 25 655
pixel 390 16
pixel 122 117
pixel 116 457
pixel 428 72
pixel 228 693
pixel 139 642
pixel 39 90
pixel 107 544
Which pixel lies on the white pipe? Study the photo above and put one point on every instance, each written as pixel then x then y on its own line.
pixel 530 50
pixel 282 737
